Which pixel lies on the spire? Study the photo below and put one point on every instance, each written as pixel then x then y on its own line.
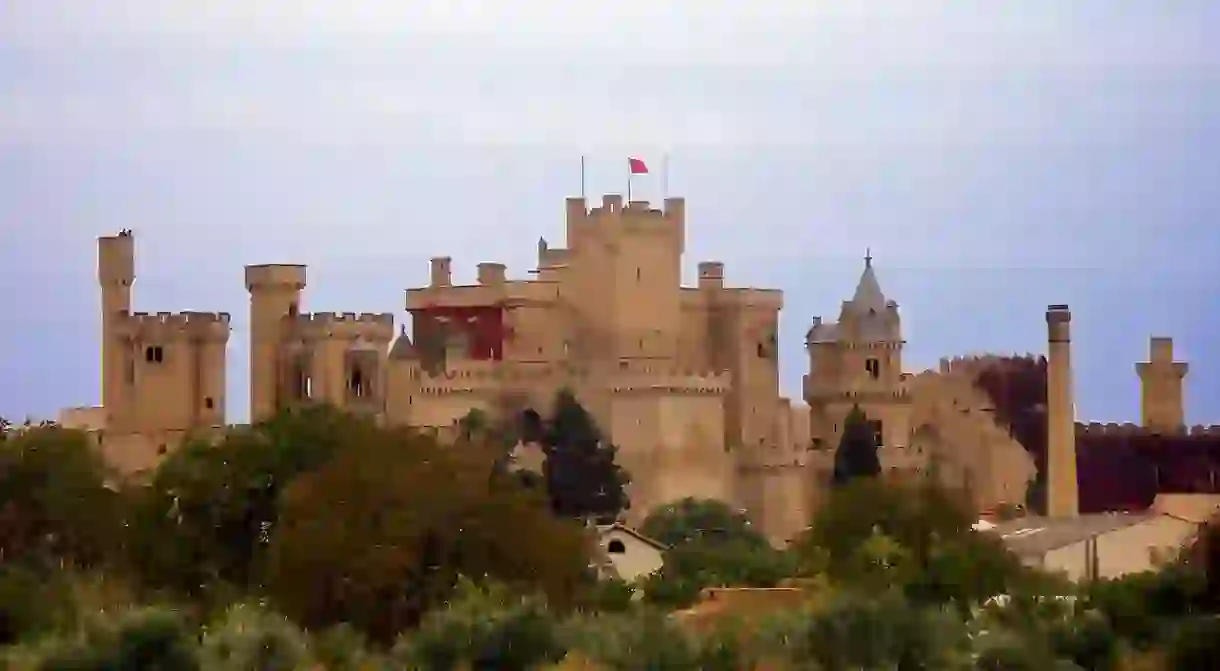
pixel 868 291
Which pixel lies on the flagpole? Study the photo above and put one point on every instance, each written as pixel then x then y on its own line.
pixel 628 180
pixel 582 177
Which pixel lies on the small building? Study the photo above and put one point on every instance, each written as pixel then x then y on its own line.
pixel 1089 547
pixel 625 554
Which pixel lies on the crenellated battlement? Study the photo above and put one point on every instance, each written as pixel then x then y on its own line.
pixel 265 276
pixel 1129 429
pixel 633 214
pixel 479 376
pixel 167 326
pixel 672 382
pixel 972 364
pixel 375 326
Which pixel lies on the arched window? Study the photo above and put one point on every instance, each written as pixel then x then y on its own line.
pixel 356 383
pixel 616 547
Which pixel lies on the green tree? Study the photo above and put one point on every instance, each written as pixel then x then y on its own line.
pixel 381 535
pixel 483 627
pixel 941 558
pixel 146 638
pixel 691 520
pixel 56 504
pixel 582 479
pixel 691 567
pixel 856 456
pixel 209 514
pixel 872 633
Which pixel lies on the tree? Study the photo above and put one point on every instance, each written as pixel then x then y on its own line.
pixel 941 558
pixel 691 520
pixel 856 456
pixel 56 504
pixel 382 534
pixel 209 514
pixel 582 479
pixel 691 567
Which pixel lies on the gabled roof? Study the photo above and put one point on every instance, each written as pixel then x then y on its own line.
pixel 604 529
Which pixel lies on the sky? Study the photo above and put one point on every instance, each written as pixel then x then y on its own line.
pixel 995 157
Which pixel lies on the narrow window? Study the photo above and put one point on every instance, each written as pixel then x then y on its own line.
pixel 357 383
pixel 873 367
pixel 208 403
pixel 154 354
pixel 637 274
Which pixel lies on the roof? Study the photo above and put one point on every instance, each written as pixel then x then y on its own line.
pixel 868 294
pixel 403 348
pixel 1032 536
pixel 604 529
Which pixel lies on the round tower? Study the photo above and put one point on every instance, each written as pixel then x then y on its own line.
pixel 275 293
pixel 116 272
pixel 1062 498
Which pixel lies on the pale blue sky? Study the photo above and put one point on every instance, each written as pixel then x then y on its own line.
pixel 996 156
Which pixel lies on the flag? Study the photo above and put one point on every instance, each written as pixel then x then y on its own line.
pixel 637 166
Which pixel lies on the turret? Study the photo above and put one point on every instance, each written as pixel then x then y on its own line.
pixel 711 275
pixel 275 292
pixel 116 261
pixel 1062 497
pixel 1162 404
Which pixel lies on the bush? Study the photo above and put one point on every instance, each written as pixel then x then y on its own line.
pixel 648 640
pixel 344 648
pixel 249 638
pixel 155 639
pixel 855 633
pixel 484 627
pixel 30 603
pixel 608 596
pixel 1196 644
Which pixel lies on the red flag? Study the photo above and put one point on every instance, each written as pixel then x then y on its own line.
pixel 637 166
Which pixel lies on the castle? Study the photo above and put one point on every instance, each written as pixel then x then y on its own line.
pixel 684 379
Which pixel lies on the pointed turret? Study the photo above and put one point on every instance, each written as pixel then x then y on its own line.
pixel 868 294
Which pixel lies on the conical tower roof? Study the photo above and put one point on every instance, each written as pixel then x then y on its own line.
pixel 868 296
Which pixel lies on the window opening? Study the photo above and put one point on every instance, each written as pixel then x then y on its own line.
pixel 873 366
pixel 616 547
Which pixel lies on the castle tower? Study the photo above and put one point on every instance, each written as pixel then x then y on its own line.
pixel 859 361
pixel 275 293
pixel 116 261
pixel 1161 402
pixel 1062 499
pixel 626 269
